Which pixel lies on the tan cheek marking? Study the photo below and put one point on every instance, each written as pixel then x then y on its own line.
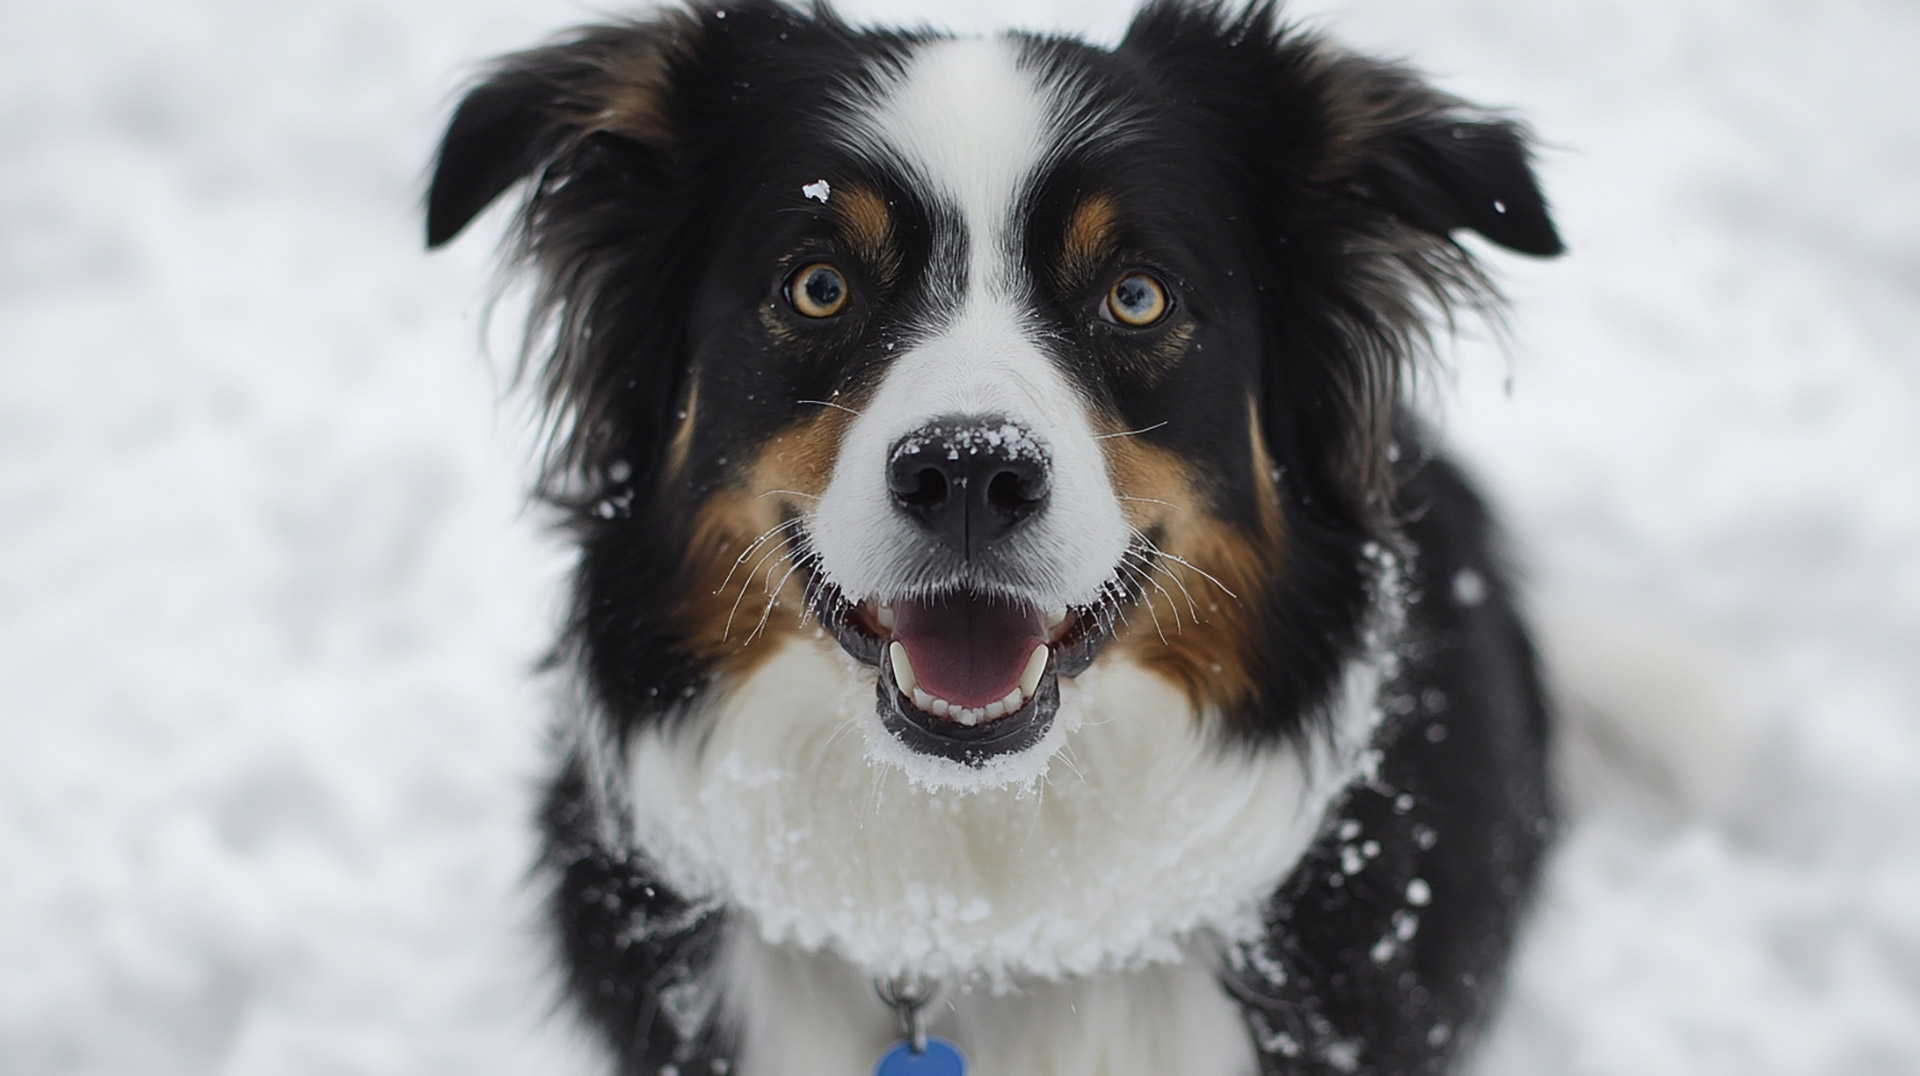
pixel 743 598
pixel 1198 626
pixel 682 442
pixel 867 224
pixel 1090 240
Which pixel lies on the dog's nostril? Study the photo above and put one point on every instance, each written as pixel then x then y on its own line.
pixel 924 488
pixel 1016 491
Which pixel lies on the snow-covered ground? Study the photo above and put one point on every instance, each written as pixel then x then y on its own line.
pixel 268 593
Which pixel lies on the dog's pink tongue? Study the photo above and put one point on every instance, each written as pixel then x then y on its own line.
pixel 965 649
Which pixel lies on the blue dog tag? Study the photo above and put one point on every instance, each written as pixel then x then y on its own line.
pixel 939 1059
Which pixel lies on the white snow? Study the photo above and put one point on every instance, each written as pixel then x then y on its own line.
pixel 1469 588
pixel 268 595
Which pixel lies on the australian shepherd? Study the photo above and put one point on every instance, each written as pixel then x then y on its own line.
pixel 1017 615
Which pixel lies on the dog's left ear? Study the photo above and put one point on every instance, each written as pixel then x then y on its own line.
pixel 1332 128
pixel 1435 162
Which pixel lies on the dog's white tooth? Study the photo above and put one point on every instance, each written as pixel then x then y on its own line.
pixel 1013 700
pixel 902 669
pixel 996 708
pixel 1036 666
pixel 941 708
pixel 923 700
pixel 975 715
pixel 1056 617
pixel 884 614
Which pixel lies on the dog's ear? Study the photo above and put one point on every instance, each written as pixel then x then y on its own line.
pixel 1433 161
pixel 535 106
pixel 1330 127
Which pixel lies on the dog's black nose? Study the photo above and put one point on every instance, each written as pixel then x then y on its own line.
pixel 970 480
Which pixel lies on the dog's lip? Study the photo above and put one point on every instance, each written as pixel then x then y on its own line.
pixel 1074 640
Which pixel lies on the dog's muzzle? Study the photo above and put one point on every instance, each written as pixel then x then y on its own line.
pixel 970 660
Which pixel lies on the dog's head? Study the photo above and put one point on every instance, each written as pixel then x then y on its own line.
pixel 992 356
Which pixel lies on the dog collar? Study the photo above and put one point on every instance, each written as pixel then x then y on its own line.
pixel 915 1054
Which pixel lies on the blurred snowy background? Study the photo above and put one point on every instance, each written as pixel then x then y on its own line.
pixel 268 591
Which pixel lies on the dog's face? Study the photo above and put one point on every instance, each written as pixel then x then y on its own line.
pixel 995 357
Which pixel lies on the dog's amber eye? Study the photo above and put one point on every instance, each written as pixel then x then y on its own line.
pixel 818 290
pixel 1137 299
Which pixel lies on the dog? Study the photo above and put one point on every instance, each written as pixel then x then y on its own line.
pixel 1017 610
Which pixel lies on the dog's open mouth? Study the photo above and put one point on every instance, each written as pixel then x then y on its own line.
pixel 964 675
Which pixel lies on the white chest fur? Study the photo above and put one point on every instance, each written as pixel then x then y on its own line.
pixel 1070 906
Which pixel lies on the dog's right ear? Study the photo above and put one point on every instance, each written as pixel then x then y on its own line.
pixel 539 105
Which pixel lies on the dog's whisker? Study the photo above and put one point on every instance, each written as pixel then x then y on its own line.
pixel 787 549
pixel 820 753
pixel 1039 808
pixel 1185 563
pixel 751 546
pixel 1067 759
pixel 1155 565
pixel 1152 500
pixel 830 403
pixel 773 597
pixel 1129 433
pixel 1193 610
pixel 1202 572
pixel 789 493
pixel 879 790
pixel 1174 606
pixel 1151 611
pixel 810 595
pixel 727 632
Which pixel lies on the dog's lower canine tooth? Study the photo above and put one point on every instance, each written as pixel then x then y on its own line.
pixel 1013 700
pixel 902 669
pixel 923 700
pixel 1030 679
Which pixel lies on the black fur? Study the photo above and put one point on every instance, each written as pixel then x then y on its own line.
pixel 1458 806
pixel 1300 201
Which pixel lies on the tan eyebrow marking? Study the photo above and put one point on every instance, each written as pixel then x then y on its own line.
pixel 1091 237
pixel 867 224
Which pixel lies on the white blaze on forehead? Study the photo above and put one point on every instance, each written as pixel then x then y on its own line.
pixel 968 120
pixel 971 129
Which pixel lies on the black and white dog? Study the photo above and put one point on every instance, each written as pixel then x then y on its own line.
pixel 1008 571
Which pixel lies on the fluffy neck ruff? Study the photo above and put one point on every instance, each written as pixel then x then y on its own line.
pixel 1130 835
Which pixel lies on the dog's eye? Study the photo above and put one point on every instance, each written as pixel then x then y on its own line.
pixel 818 290
pixel 1137 300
